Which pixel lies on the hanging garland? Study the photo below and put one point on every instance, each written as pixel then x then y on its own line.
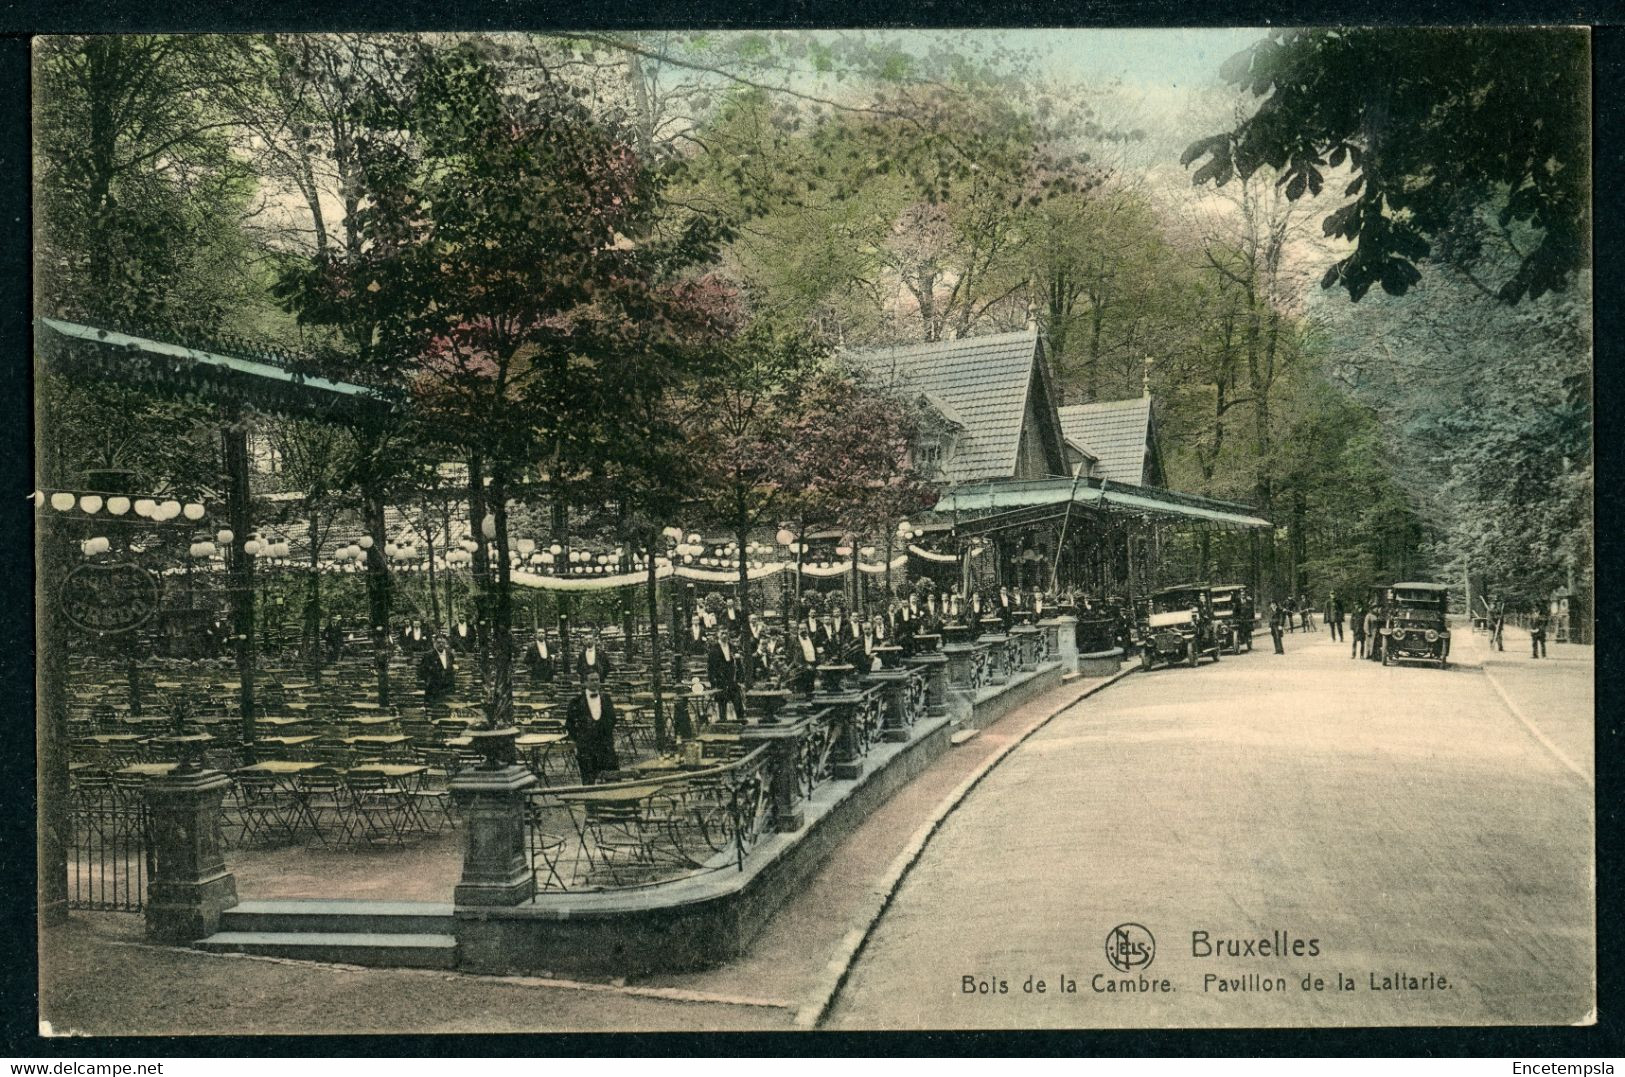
pixel 898 562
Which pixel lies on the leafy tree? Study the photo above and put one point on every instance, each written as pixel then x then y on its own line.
pixel 1433 125
pixel 509 267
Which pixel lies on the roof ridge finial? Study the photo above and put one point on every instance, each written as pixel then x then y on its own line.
pixel 1145 380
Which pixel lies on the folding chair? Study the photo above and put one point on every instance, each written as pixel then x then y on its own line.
pixel 379 808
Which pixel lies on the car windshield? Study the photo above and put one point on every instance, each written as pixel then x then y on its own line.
pixel 1175 600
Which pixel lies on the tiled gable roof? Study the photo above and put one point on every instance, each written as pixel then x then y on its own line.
pixel 1115 431
pixel 984 380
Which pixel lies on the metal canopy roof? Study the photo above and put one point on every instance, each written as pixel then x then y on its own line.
pixel 1164 505
pixel 261 383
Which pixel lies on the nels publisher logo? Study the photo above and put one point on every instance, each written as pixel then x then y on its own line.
pixel 1130 948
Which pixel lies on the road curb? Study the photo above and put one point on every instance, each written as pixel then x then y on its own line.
pixel 813 1012
pixel 1534 731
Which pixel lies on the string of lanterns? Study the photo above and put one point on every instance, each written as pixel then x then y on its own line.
pixel 118 505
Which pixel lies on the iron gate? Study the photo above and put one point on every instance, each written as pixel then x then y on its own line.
pixel 110 848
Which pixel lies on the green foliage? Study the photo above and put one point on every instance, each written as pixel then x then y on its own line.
pixel 140 196
pixel 1432 125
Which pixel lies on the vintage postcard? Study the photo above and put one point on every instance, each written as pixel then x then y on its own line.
pixel 814 530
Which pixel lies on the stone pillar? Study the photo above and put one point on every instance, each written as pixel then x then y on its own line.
pixel 893 685
pixel 960 660
pixel 849 749
pixel 190 886
pixel 935 668
pixel 783 740
pixel 1024 640
pixel 1066 635
pixel 496 857
pixel 998 658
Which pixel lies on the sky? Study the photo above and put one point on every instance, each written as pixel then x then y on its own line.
pixel 1164 58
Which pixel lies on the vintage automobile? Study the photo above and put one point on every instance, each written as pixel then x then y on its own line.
pixel 1233 616
pixel 1176 625
pixel 1414 628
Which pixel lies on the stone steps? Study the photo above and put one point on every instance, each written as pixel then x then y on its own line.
pixel 375 933
pixel 396 950
pixel 352 917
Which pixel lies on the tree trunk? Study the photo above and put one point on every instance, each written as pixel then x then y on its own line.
pixel 240 574
pixel 481 574
pixel 434 594
pixel 652 588
pixel 742 537
pixel 564 607
pixel 55 824
pixel 378 588
pixel 499 707
pixel 313 603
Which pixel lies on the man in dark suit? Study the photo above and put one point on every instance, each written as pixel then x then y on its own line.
pixel 904 624
pixel 463 638
pixel 722 665
pixel 539 659
pixel 804 659
pixel 589 722
pixel 592 659
pixel 437 670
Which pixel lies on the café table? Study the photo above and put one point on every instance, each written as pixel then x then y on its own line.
pixel 377 740
pixel 117 738
pixel 293 741
pixel 281 721
pixel 148 770
pixel 281 768
pixel 284 771
pixel 372 720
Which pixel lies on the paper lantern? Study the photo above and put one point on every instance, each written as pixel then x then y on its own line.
pixel 62 502
pixel 172 509
pixel 527 547
pixel 365 542
pixel 488 527
pixel 118 506
pixel 546 556
pixel 867 551
pixel 673 533
pixel 252 547
pixel 693 538
pixel 90 503
pixel 145 506
pixel 193 511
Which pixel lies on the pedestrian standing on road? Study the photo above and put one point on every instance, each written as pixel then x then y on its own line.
pixel 1498 626
pixel 1278 619
pixel 1372 644
pixel 1357 623
pixel 1537 634
pixel 1289 606
pixel 1334 616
